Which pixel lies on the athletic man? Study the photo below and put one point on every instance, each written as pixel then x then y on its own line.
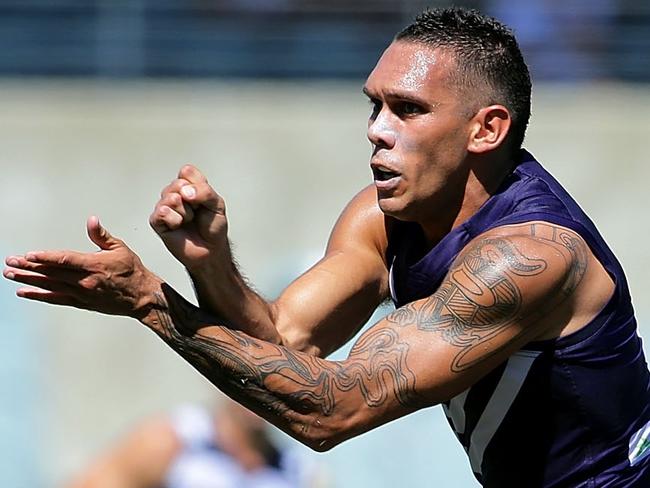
pixel 511 310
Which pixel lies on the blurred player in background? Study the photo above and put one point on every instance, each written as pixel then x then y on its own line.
pixel 194 448
pixel 512 312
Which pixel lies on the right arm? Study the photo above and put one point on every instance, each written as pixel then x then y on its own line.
pixel 344 287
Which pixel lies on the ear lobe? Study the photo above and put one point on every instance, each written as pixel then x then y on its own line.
pixel 491 126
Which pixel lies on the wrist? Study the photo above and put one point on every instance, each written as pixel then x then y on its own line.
pixel 150 298
pixel 215 261
pixel 167 313
pixel 215 276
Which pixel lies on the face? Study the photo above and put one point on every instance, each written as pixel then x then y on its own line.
pixel 419 131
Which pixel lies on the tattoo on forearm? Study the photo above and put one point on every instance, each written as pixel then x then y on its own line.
pixel 273 379
pixel 480 298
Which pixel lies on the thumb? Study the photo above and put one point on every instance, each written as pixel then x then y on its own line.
pixel 99 235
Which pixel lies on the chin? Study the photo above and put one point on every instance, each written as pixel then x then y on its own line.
pixel 392 207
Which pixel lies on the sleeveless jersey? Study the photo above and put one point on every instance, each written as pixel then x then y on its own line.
pixel 568 412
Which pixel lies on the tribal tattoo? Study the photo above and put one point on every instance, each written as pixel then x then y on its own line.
pixel 274 380
pixel 480 297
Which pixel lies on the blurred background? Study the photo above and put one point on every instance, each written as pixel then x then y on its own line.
pixel 101 102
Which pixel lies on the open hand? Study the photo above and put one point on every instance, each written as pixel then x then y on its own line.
pixel 112 280
pixel 190 218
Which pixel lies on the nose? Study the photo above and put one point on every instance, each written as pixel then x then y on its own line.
pixel 381 132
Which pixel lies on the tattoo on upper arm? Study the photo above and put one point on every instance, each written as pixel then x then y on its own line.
pixel 481 298
pixel 578 250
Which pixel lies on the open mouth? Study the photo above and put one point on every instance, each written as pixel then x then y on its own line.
pixel 383 174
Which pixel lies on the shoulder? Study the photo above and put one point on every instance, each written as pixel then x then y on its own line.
pixel 537 232
pixel 362 225
pixel 545 272
pixel 558 256
pixel 505 288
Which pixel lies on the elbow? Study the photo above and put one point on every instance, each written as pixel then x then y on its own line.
pixel 322 447
pixel 297 340
pixel 321 441
pixel 321 434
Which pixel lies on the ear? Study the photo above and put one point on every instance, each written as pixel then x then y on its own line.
pixel 490 126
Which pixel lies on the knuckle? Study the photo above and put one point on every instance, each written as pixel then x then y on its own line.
pixel 213 196
pixel 178 184
pixel 155 220
pixel 165 190
pixel 186 170
pixel 172 220
pixel 158 209
pixel 89 282
pixel 167 200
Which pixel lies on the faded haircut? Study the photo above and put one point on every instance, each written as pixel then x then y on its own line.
pixel 489 65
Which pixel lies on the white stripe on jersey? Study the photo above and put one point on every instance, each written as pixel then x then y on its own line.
pixel 456 411
pixel 391 281
pixel 504 395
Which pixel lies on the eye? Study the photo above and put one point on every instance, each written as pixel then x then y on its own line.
pixel 409 108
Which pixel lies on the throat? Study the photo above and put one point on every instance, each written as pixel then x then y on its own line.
pixel 434 234
pixel 436 228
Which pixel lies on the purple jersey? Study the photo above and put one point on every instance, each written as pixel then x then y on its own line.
pixel 569 412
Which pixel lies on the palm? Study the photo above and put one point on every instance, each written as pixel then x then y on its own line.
pixel 194 242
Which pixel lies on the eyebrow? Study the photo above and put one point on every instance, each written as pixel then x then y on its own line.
pixel 401 95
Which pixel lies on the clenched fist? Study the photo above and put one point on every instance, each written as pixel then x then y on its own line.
pixel 190 218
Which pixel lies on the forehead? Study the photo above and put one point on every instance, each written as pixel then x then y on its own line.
pixel 412 67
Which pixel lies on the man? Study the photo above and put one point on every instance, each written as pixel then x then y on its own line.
pixel 511 310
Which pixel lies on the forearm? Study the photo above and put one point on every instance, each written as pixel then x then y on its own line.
pixel 222 291
pixel 319 402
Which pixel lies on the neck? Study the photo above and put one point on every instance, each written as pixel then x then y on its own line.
pixel 481 182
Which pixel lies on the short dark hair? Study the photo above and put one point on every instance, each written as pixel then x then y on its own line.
pixel 489 62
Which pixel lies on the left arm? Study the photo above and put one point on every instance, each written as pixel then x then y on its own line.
pixel 501 292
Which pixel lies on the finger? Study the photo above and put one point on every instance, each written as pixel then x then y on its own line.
pixel 63 259
pixel 192 174
pixel 203 195
pixel 157 222
pixel 175 202
pixel 20 264
pixel 45 296
pixel 164 219
pixel 100 236
pixel 174 187
pixel 38 280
